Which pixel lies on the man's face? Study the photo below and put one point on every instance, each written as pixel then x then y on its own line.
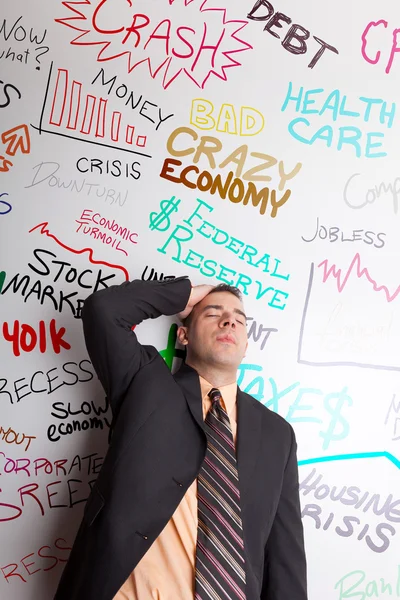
pixel 217 331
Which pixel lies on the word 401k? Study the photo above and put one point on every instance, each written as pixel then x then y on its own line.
pixel 26 338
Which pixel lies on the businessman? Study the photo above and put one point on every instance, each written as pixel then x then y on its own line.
pixel 198 494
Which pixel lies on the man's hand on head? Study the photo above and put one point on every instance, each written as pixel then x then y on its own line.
pixel 196 295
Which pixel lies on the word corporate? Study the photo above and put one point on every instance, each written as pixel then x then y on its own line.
pixel 336 105
pixel 184 233
pixel 237 185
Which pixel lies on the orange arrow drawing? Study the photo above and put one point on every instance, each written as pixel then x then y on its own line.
pixel 15 138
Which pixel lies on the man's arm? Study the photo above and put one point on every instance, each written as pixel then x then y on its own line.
pixel 285 576
pixel 108 316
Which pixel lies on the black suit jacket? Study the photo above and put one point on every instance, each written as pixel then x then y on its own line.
pixel 156 451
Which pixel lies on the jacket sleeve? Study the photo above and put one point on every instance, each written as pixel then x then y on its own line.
pixel 285 576
pixel 108 316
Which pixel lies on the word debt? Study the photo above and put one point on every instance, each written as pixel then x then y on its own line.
pixel 297 37
pixel 204 116
pixel 335 106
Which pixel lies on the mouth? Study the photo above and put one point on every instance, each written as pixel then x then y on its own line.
pixel 226 339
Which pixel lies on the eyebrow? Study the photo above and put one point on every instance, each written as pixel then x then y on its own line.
pixel 220 307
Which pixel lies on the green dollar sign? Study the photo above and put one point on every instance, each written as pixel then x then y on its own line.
pixel 334 409
pixel 161 220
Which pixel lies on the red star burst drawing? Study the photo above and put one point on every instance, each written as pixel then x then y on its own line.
pixel 171 36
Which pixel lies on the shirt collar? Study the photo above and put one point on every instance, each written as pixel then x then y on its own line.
pixel 228 393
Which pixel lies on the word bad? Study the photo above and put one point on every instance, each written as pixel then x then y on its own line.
pixel 295 39
pixel 333 234
pixel 370 36
pixel 249 122
pixel 11 437
pixel 46 557
pixel 26 338
pixel 316 102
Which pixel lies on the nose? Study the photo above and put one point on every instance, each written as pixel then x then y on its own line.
pixel 227 320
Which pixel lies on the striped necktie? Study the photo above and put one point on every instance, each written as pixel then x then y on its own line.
pixel 220 563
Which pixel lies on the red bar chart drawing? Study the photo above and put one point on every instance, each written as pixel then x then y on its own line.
pixel 72 113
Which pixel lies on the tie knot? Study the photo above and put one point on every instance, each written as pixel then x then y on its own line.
pixel 215 395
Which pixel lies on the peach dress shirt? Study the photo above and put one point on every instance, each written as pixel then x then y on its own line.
pixel 167 570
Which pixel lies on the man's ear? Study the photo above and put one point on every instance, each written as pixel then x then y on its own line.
pixel 182 335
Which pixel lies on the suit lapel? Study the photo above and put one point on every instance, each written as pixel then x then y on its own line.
pixel 248 439
pixel 188 379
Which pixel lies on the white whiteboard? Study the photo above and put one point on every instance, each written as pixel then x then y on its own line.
pixel 253 143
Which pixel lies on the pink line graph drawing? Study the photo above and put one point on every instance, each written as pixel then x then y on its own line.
pixel 356 269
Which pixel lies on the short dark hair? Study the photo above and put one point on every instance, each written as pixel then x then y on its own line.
pixel 222 287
